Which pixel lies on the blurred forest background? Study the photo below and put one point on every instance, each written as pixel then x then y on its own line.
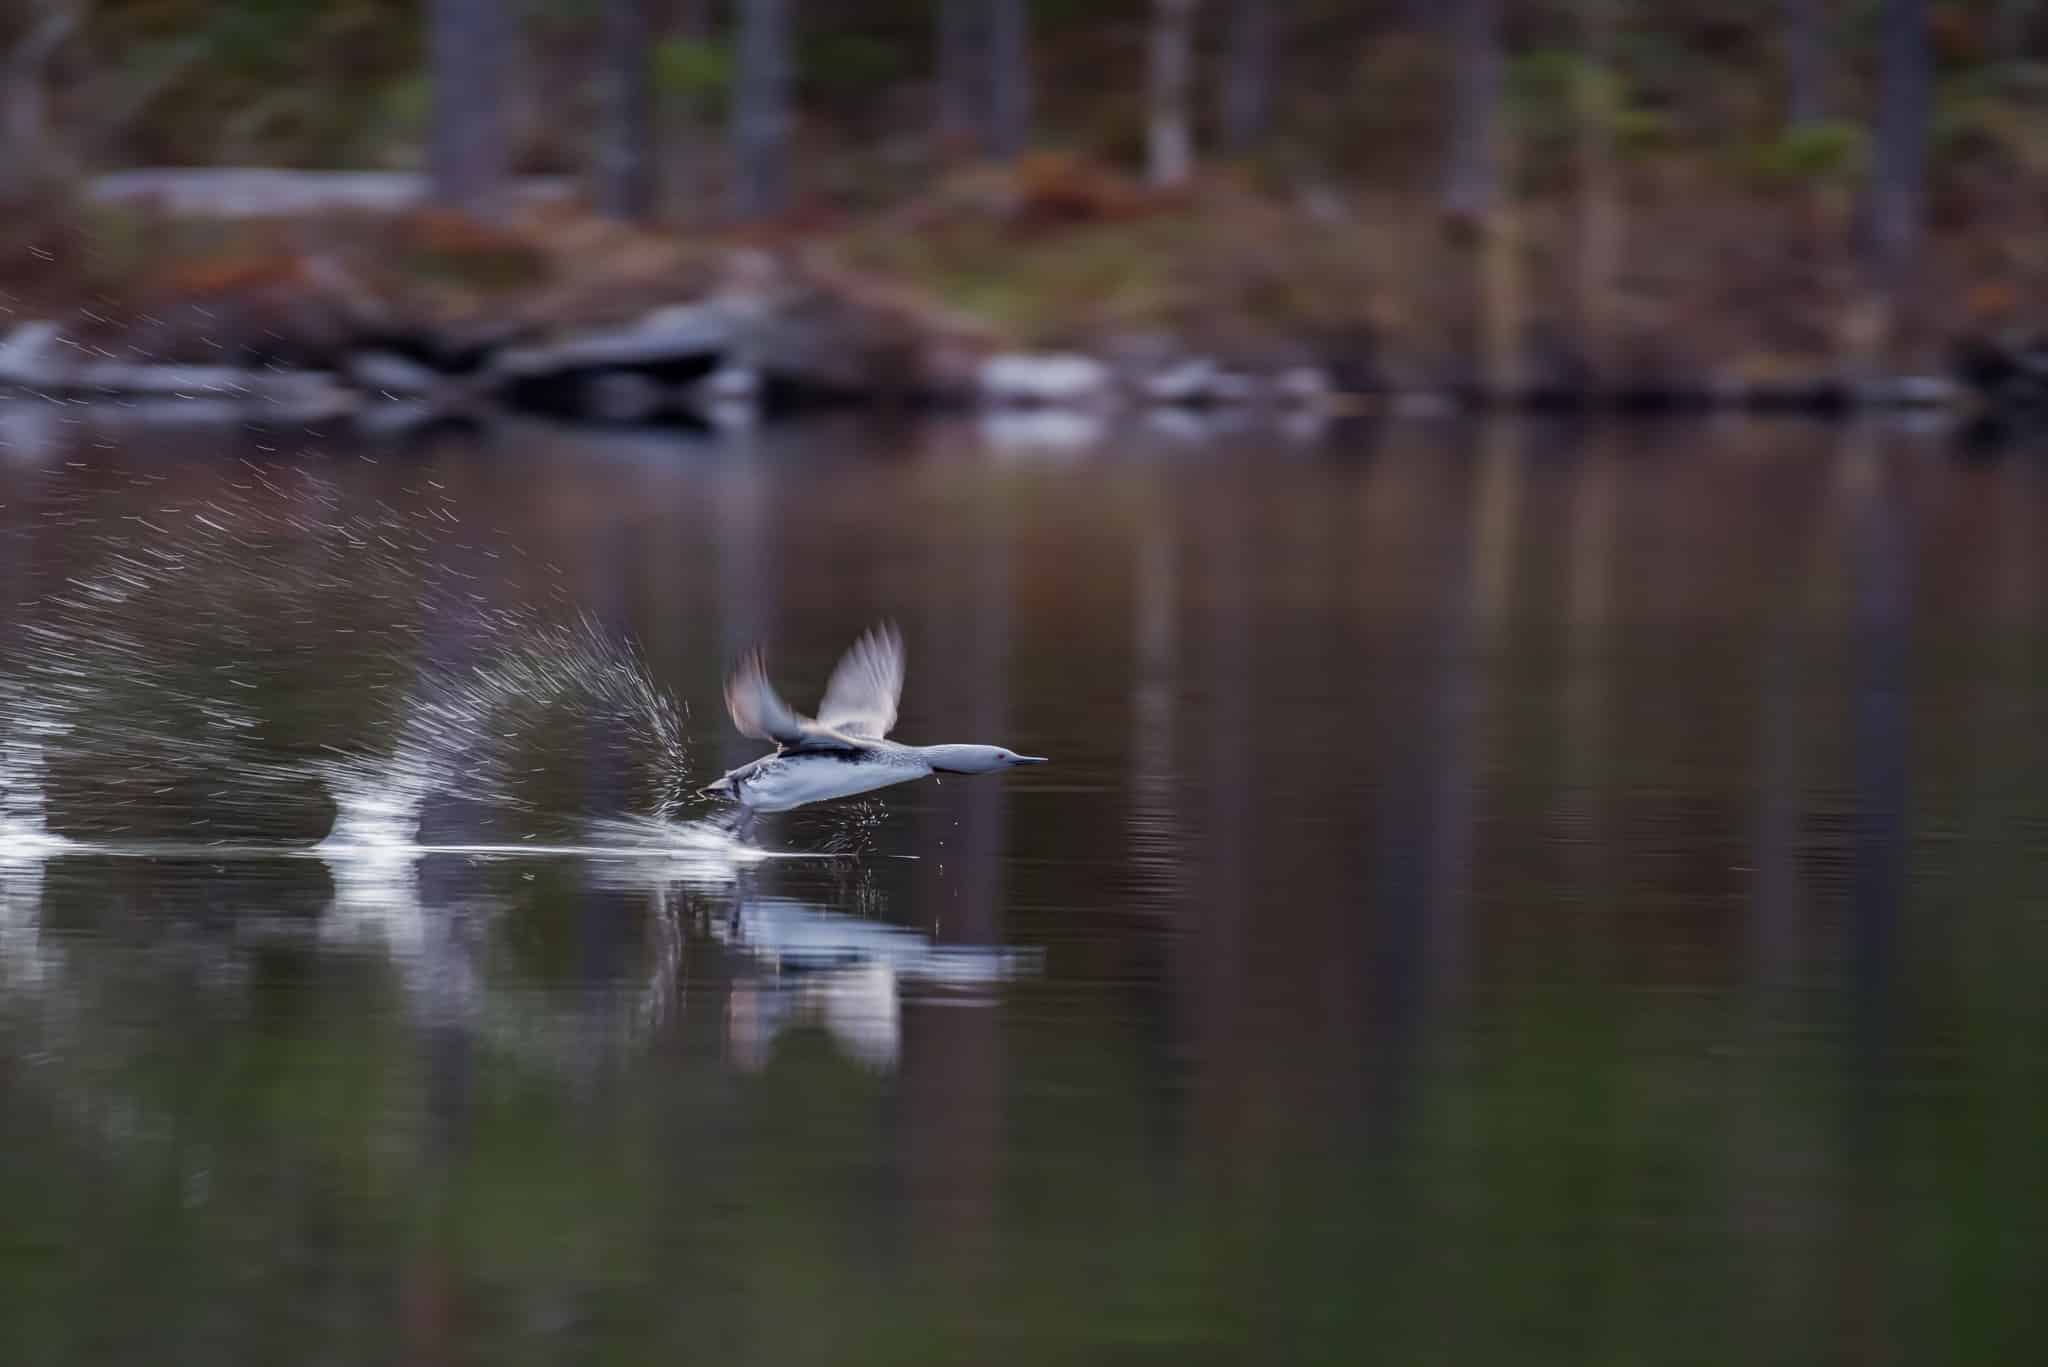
pixel 1539 187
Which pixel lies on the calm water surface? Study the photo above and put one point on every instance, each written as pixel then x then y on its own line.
pixel 1504 894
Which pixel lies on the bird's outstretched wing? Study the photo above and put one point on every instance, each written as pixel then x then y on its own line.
pixel 757 709
pixel 861 699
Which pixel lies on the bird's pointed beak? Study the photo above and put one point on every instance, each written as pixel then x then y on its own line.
pixel 1032 759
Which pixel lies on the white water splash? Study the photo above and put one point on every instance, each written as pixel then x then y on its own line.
pixel 372 856
pixel 377 810
pixel 27 959
pixel 24 833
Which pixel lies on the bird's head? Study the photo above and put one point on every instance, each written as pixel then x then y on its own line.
pixel 976 759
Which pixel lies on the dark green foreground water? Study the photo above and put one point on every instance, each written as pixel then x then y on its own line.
pixel 1502 895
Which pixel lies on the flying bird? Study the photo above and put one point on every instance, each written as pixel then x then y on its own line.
pixel 843 750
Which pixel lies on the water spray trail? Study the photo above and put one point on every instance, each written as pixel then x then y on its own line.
pixel 257 667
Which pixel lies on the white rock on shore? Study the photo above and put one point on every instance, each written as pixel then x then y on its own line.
pixel 1056 379
pixel 1198 383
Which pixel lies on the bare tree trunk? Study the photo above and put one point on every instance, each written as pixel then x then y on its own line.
pixel 1248 74
pixel 685 153
pixel 761 109
pixel 468 155
pixel 1469 172
pixel 2015 28
pixel 960 40
pixel 1805 61
pixel 1170 141
pixel 1897 200
pixel 1600 225
pixel 1502 308
pixel 625 154
pixel 1009 54
pixel 27 149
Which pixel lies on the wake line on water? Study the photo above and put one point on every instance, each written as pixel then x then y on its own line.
pixel 625 839
pixel 54 847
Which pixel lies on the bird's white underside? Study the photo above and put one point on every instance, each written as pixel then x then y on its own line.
pixel 794 780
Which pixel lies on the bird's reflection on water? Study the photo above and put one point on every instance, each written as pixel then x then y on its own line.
pixel 818 953
pixel 845 973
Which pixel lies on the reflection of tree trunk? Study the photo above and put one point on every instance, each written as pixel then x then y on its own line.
pixel 1216 936
pixel 953 1058
pixel 1762 1147
pixel 1461 706
pixel 21 785
pixel 626 154
pixel 1423 757
pixel 467 42
pixel 444 975
pixel 1588 700
pixel 978 877
pixel 427 1304
pixel 761 109
pixel 1157 845
pixel 1493 545
pixel 602 921
pixel 1780 768
pixel 1170 142
pixel 1774 905
pixel 1499 525
pixel 1248 74
pixel 1009 77
pixel 1882 569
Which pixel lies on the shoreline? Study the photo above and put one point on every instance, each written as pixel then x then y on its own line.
pixel 316 296
pixel 697 366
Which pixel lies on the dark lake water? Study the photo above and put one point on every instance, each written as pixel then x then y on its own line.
pixel 1512 893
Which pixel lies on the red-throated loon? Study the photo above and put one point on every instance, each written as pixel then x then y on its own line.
pixel 842 751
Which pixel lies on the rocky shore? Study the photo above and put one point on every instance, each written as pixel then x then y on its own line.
pixel 727 361
pixel 387 315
